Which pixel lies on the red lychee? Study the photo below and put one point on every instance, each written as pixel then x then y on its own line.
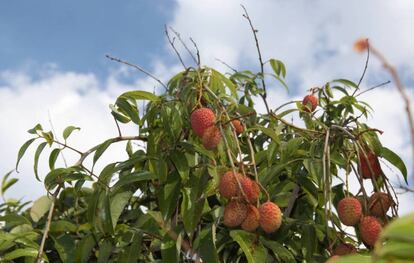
pixel 270 217
pixel 250 188
pixel 309 103
pixel 237 126
pixel 349 211
pixel 234 213
pixel 211 138
pixel 370 229
pixel 228 186
pixel 201 119
pixel 251 223
pixel 379 203
pixel 372 161
pixel 344 249
pixel 361 44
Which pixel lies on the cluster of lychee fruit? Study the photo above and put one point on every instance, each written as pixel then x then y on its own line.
pixel 241 210
pixel 203 123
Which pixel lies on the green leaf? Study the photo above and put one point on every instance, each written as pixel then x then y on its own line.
pixel 53 157
pixel 346 83
pixel 131 254
pixel 40 208
pixel 181 163
pixel 278 250
pixel 36 158
pixel 129 179
pixel 6 184
pixel 278 67
pixel 169 251
pixel 62 226
pixel 141 95
pixel 48 136
pixel 205 244
pixel 105 251
pixel 36 128
pixel 254 252
pixel 65 246
pixel 395 160
pixel 22 252
pixel 22 150
pixel 118 203
pixel 101 149
pixel 68 131
pixel 84 249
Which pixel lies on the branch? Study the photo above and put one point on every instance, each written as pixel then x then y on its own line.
pixel 138 68
pixel 47 227
pixel 264 95
pixel 171 41
pixel 185 46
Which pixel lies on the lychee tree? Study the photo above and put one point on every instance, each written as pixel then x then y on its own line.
pixel 213 179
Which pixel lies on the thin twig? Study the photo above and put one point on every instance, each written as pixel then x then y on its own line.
pixel 47 226
pixel 227 65
pixel 117 126
pixel 363 72
pixel 54 132
pixel 376 86
pixel 197 51
pixel 264 95
pixel 184 45
pixel 138 68
pixel 171 41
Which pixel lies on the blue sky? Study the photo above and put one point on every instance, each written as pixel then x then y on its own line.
pixel 52 64
pixel 76 35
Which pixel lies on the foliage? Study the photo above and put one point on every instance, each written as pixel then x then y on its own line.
pixel 161 204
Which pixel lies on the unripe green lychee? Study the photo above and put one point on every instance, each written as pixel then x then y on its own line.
pixel 370 160
pixel 370 229
pixel 234 213
pixel 211 138
pixel 250 188
pixel 349 211
pixel 309 103
pixel 237 126
pixel 379 203
pixel 270 217
pixel 201 119
pixel 344 249
pixel 228 186
pixel 251 223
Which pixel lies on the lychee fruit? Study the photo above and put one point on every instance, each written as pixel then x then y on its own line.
pixel 234 213
pixel 332 259
pixel 361 44
pixel 228 186
pixel 238 126
pixel 379 203
pixel 349 211
pixel 250 188
pixel 309 103
pixel 251 223
pixel 372 161
pixel 370 229
pixel 344 249
pixel 211 138
pixel 201 119
pixel 270 217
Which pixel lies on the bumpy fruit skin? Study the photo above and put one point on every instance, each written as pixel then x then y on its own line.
pixel 270 217
pixel 379 203
pixel 201 119
pixel 370 229
pixel 211 138
pixel 237 126
pixel 332 259
pixel 251 223
pixel 373 161
pixel 344 249
pixel 228 186
pixel 234 213
pixel 349 211
pixel 250 188
pixel 309 103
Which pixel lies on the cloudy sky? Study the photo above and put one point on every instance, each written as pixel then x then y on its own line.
pixel 53 67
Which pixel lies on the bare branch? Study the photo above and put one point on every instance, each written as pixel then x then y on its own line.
pixel 171 41
pixel 376 86
pixel 185 45
pixel 138 68
pixel 227 65
pixel 254 30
